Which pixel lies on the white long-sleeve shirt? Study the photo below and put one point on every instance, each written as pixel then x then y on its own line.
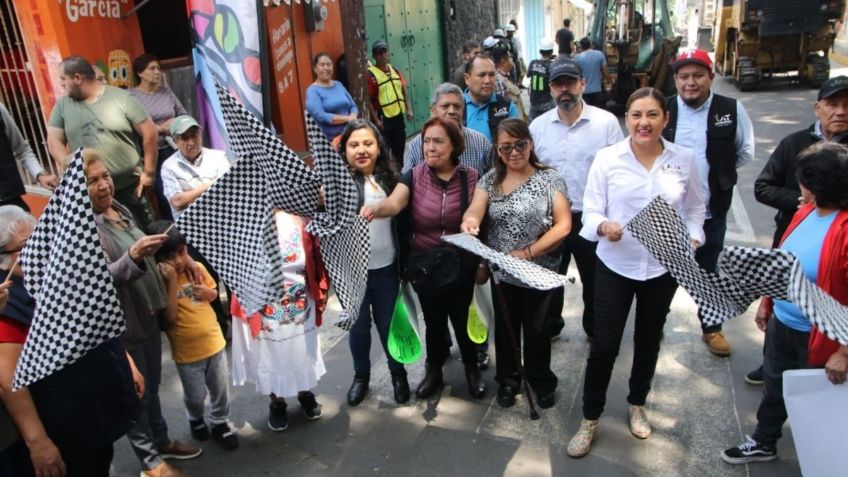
pixel 619 187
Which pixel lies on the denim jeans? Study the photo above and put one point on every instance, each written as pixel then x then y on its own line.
pixel 379 303
pixel 613 298
pixel 786 349
pixel 707 254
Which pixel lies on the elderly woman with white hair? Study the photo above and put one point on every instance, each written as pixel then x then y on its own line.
pixel 66 423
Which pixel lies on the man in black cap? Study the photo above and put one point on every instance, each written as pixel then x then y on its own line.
pixel 567 138
pixel 390 100
pixel 777 186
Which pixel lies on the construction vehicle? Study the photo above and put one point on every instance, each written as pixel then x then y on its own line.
pixel 638 42
pixel 758 39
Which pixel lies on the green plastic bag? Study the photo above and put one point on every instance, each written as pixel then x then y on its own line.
pixel 480 314
pixel 404 343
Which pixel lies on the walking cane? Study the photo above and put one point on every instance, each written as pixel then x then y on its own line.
pixel 534 414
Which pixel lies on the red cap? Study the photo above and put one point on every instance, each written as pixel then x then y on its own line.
pixel 689 57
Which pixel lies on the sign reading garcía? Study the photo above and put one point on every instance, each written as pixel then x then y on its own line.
pixel 76 9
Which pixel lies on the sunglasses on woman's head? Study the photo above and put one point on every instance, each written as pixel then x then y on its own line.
pixel 519 146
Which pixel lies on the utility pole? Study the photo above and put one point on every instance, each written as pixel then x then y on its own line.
pixel 353 33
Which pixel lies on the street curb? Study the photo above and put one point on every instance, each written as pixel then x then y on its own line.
pixel 843 60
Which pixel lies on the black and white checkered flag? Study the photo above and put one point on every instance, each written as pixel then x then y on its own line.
pixel 661 230
pixel 746 274
pixel 65 270
pixel 778 274
pixel 528 273
pixel 232 224
pixel 344 239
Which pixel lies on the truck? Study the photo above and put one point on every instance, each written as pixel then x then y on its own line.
pixel 759 39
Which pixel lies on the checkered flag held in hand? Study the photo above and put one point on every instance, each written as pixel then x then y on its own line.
pixel 232 224
pixel 345 244
pixel 65 270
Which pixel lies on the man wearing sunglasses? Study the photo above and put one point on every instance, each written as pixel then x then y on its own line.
pixel 567 138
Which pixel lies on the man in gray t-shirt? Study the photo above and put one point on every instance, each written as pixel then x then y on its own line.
pixel 593 64
pixel 110 120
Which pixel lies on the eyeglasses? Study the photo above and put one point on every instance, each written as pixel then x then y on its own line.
pixel 520 146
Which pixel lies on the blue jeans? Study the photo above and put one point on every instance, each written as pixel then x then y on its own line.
pixel 379 303
pixel 707 254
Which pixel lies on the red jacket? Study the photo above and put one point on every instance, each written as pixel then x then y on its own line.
pixel 832 277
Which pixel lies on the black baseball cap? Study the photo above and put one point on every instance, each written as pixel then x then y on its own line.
pixel 379 46
pixel 833 86
pixel 564 67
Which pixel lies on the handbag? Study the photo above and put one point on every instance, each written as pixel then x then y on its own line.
pixel 437 270
pixel 434 271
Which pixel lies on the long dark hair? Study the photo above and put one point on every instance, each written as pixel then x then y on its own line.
pixel 385 171
pixel 518 129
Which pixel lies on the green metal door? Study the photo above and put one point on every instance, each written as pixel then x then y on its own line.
pixel 412 28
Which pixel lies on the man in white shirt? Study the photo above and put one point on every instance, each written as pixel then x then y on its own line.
pixel 567 138
pixel 719 132
pixel 192 170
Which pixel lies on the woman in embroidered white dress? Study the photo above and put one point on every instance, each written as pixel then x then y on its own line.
pixel 278 348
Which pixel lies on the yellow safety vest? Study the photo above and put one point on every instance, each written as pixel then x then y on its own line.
pixel 390 91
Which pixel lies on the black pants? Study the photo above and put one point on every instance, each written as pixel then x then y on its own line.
pixel 527 309
pixel 613 299
pixel 139 207
pixel 707 255
pixel 394 133
pixel 15 461
pixel 162 204
pixel 786 349
pixel 584 255
pixel 437 310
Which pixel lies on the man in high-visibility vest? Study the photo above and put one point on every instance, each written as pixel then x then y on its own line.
pixel 390 101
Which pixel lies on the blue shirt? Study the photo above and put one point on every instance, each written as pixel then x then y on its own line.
pixel 323 102
pixel 806 243
pixel 477 116
pixel 591 62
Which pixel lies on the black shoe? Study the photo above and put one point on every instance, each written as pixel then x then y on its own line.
pixel 476 386
pixel 358 390
pixel 310 407
pixel 278 419
pixel 430 384
pixel 401 387
pixel 547 400
pixel 483 360
pixel 223 435
pixel 755 377
pixel 199 431
pixel 749 451
pixel 506 396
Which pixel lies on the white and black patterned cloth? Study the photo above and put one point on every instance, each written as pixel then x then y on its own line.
pixel 65 270
pixel 344 240
pixel 779 274
pixel 746 274
pixel 523 272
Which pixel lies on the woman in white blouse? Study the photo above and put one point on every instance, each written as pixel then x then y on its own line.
pixel 623 179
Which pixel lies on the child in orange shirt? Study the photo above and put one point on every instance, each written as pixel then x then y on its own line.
pixel 197 344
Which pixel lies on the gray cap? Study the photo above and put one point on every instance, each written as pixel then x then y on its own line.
pixel 379 46
pixel 181 124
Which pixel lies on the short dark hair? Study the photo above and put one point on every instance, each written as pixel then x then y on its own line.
pixel 141 63
pixel 454 135
pixel 469 45
pixel 645 93
pixel 823 170
pixel 172 244
pixel 469 65
pixel 500 53
pixel 585 43
pixel 318 56
pixel 77 65
pixel 566 22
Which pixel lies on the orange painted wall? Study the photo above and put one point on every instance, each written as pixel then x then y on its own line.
pixel 291 49
pixel 55 29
